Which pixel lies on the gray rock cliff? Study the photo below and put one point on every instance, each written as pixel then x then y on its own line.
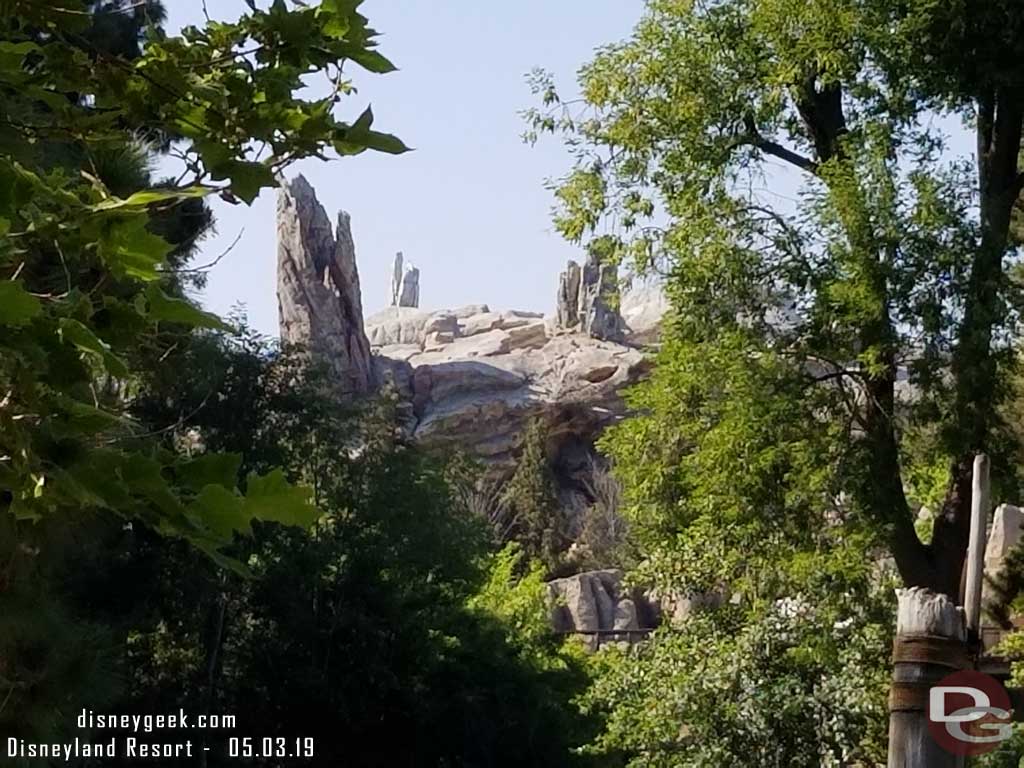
pixel 319 301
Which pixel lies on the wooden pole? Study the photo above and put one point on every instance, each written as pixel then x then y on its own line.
pixel 930 644
pixel 980 492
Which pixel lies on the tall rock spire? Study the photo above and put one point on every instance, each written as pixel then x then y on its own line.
pixel 588 299
pixel 405 283
pixel 318 293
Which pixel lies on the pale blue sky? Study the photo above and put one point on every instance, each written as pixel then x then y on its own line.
pixel 469 206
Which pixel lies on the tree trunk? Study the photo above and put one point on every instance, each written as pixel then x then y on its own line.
pixel 999 124
pixel 930 644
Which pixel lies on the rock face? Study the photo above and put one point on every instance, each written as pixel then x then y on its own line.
pixel 642 309
pixel 588 300
pixel 1004 534
pixel 405 283
pixel 596 605
pixel 476 377
pixel 318 293
pixel 470 378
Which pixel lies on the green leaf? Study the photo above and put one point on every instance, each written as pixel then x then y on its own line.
pixel 247 178
pixel 222 512
pixel 385 142
pixel 359 137
pixel 131 249
pixel 164 308
pixel 17 306
pixel 150 196
pixel 211 469
pixel 272 498
pixel 269 498
pixel 81 336
pixel 371 61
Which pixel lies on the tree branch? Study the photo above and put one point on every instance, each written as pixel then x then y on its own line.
pixel 754 138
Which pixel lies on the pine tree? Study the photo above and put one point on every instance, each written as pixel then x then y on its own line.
pixel 532 502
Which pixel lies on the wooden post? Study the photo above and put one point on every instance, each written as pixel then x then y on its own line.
pixel 930 644
pixel 976 544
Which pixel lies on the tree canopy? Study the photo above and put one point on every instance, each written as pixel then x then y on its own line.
pixel 844 313
pixel 83 299
pixel 817 340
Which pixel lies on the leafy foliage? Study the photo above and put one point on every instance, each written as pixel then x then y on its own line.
pixel 92 250
pixel 387 617
pixel 841 316
pixel 880 272
pixel 787 686
pixel 83 306
pixel 532 504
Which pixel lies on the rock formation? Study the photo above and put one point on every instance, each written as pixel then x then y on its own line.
pixel 405 283
pixel 319 301
pixel 642 309
pixel 476 377
pixel 567 312
pixel 596 606
pixel 470 378
pixel 588 299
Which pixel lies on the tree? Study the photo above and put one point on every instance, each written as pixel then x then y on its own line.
pixel 532 504
pixel 891 266
pixel 384 632
pixel 88 299
pixel 836 340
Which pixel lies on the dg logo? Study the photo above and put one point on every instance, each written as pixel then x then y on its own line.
pixel 969 713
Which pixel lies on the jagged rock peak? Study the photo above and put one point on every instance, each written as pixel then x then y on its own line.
pixel 318 293
pixel 588 298
pixel 405 283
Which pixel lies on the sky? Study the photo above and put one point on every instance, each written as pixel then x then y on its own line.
pixel 469 206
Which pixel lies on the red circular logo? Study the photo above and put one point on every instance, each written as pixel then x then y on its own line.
pixel 969 713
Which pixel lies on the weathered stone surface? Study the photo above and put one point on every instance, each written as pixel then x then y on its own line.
pixel 588 299
pixel 598 300
pixel 595 602
pixel 405 283
pixel 319 301
pixel 470 309
pixel 495 382
pixel 401 352
pixel 642 309
pixel 481 323
pixel 567 301
pixel 1005 534
pixel 626 616
pixel 585 602
pixel 397 325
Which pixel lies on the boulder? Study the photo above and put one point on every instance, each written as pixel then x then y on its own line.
pixel 626 616
pixel 397 325
pixel 595 605
pixel 1005 534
